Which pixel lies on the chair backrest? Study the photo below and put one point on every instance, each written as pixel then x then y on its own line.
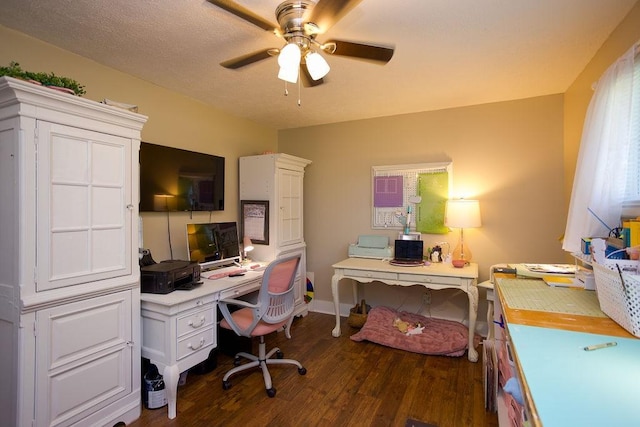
pixel 277 295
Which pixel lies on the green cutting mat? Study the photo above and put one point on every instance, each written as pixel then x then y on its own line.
pixel 527 294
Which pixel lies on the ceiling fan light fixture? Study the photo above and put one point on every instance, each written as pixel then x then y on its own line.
pixel 316 65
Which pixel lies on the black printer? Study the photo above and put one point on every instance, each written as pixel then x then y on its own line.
pixel 166 276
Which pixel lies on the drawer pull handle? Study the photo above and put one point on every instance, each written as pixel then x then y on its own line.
pixel 197 325
pixel 195 348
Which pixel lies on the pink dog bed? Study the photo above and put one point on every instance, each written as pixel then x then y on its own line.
pixel 439 337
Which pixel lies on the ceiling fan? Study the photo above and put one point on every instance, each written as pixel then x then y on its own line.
pixel 299 23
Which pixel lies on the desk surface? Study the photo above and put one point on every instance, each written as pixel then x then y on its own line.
pixel 574 387
pixel 434 269
pixel 208 287
pixel 568 385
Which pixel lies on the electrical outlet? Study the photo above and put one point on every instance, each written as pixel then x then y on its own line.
pixel 426 298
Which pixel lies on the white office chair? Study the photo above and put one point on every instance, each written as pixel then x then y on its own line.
pixel 272 311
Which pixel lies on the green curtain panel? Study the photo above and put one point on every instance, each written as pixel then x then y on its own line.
pixel 434 190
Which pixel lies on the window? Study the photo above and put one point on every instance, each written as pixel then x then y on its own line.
pixel 632 193
pixel 607 175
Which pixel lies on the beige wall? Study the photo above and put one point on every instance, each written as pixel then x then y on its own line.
pixel 508 155
pixel 174 120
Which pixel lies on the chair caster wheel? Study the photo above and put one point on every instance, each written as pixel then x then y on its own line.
pixel 236 361
pixel 226 385
pixel 271 392
pixel 279 354
pixel 302 371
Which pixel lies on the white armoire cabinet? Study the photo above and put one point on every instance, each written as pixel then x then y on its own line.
pixel 278 179
pixel 69 276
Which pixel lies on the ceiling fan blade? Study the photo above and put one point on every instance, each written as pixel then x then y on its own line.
pixel 327 12
pixel 358 50
pixel 307 81
pixel 244 13
pixel 249 58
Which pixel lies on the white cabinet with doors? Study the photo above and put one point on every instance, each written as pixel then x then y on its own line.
pixel 278 179
pixel 69 276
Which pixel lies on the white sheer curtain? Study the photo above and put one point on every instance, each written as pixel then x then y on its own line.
pixel 601 171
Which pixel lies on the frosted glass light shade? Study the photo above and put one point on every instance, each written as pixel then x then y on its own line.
pixel 289 56
pixel 289 74
pixel 316 65
pixel 289 61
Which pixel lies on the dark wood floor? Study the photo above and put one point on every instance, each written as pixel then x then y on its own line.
pixel 347 384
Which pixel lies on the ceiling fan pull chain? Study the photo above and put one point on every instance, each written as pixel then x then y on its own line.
pixel 299 89
pixel 286 91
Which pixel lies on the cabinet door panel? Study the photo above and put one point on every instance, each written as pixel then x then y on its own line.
pixel 83 389
pixel 84 206
pixel 290 204
pixel 84 357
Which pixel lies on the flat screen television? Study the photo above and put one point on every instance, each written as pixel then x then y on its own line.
pixel 213 244
pixel 172 179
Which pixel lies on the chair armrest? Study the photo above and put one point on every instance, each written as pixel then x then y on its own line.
pixel 224 309
pixel 237 302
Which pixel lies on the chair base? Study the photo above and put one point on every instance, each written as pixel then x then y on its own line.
pixel 262 360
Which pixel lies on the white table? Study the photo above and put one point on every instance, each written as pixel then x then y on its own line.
pixel 435 276
pixel 179 328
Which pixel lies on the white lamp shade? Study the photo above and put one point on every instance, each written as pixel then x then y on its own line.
pixel 288 74
pixel 316 65
pixel 289 56
pixel 247 244
pixel 462 213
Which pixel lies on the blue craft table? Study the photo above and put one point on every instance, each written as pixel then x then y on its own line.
pixel 562 384
pixel 573 387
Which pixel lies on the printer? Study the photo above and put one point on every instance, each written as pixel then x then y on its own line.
pixel 371 246
pixel 166 276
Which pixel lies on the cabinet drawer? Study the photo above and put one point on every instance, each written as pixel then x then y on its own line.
pixel 197 320
pixel 244 289
pixel 436 280
pixel 383 275
pixel 194 343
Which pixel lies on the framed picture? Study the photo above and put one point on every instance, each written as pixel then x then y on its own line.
pixel 255 220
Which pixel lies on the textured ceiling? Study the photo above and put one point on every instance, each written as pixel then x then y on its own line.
pixel 449 53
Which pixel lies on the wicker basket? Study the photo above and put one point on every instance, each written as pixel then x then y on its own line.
pixel 358 315
pixel 619 296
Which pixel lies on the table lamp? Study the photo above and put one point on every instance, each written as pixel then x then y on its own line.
pixel 462 213
pixel 247 246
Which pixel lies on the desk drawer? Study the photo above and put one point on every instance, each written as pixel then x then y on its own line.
pixel 436 280
pixel 193 343
pixel 243 289
pixel 370 274
pixel 196 320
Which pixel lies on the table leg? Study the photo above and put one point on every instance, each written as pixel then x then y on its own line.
pixel 336 303
pixel 171 376
pixel 472 291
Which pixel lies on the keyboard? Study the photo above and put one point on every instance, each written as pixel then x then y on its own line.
pixel 406 262
pixel 221 272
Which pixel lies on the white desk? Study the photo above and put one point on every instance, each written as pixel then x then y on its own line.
pixel 179 328
pixel 435 276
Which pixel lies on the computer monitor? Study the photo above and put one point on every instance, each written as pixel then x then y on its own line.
pixel 213 244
